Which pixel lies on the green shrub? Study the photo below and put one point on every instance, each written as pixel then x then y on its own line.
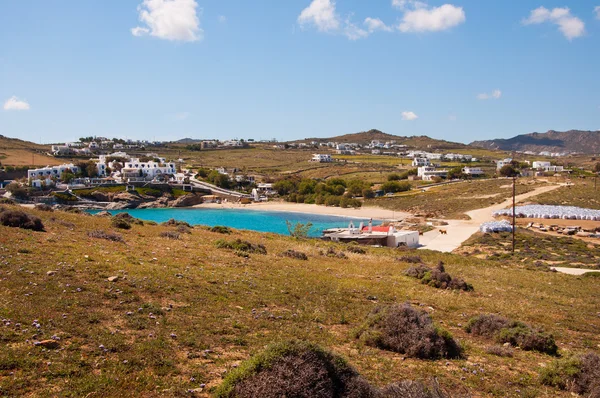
pixel 295 369
pixel 221 229
pixel 406 330
pixel 517 334
pixel 120 223
pixel 240 246
pixel 20 219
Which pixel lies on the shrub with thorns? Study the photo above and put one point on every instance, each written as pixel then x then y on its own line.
pixel 220 229
pixel 516 333
pixel 170 235
pixel 295 369
pixel 294 254
pixel 106 235
pixel 304 370
pixel 406 330
pixel 20 219
pixel 239 245
pixel 579 374
pixel 437 277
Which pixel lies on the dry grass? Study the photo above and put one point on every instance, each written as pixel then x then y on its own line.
pixel 183 313
pixel 452 201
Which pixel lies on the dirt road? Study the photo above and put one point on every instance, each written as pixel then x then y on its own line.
pixel 459 231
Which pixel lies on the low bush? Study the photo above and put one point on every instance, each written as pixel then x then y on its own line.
pixel 176 223
pixel 294 254
pixel 183 229
pixel 129 218
pixel 120 223
pixel 170 235
pixel 20 219
pixel 579 374
pixel 412 389
pixel 411 259
pixel 517 334
pixel 356 250
pixel 7 201
pixel 241 246
pixel 332 253
pixel 106 235
pixel 295 369
pixel 44 207
pixel 406 330
pixel 221 229
pixel 500 351
pixel 437 277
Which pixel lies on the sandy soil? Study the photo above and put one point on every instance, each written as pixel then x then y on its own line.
pixel 573 271
pixel 459 231
pixel 363 212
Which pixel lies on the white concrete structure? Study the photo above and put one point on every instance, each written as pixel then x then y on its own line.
pixel 547 167
pixel 421 162
pixel 427 173
pixel 374 236
pixel 540 165
pixel 50 172
pixel 472 171
pixel 501 163
pixel 321 158
pixel 151 169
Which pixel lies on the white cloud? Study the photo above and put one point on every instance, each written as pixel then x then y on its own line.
pixel 139 31
pixel 320 13
pixel 570 26
pixel 433 19
pixel 353 32
pixel 408 4
pixel 170 20
pixel 15 104
pixel 496 94
pixel 222 18
pixel 597 12
pixel 374 24
pixel 408 115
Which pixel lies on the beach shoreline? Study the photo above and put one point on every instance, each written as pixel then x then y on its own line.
pixel 360 213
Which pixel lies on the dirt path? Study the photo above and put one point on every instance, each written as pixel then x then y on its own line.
pixel 459 231
pixel 573 271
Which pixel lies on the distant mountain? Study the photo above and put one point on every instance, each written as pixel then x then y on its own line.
pixel 187 141
pixel 365 137
pixel 15 143
pixel 572 141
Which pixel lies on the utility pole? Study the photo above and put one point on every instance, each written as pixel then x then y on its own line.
pixel 514 213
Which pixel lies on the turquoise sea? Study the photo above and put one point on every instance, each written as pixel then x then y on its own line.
pixel 263 221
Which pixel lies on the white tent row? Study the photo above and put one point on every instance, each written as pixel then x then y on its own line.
pixel 552 212
pixel 495 226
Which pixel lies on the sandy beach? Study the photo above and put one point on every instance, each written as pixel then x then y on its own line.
pixel 363 212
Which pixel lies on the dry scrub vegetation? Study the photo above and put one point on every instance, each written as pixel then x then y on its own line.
pixel 452 201
pixel 150 316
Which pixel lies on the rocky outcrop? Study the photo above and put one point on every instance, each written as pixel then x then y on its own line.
pixel 157 204
pixel 188 200
pixel 101 196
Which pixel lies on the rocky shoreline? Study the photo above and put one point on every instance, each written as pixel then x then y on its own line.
pixel 134 200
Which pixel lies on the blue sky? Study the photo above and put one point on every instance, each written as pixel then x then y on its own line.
pixel 461 70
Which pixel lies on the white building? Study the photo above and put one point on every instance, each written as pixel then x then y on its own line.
pixel 371 235
pixel 421 162
pixel 428 173
pixel 50 172
pixel 540 165
pixel 501 163
pixel 150 169
pixel 472 171
pixel 321 158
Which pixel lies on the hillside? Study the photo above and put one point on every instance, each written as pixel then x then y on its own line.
pixel 16 152
pixel 170 311
pixel 572 141
pixel 365 137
